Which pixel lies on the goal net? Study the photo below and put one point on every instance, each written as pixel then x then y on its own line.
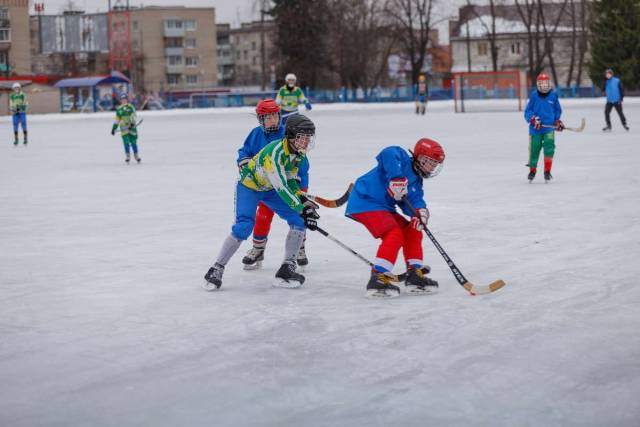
pixel 490 91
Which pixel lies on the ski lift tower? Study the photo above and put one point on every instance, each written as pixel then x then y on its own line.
pixel 120 52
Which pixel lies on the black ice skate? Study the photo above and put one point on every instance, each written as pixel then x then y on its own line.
pixel 417 283
pixel 213 277
pixel 16 141
pixel 531 176
pixel 302 259
pixel 138 159
pixel 625 127
pixel 380 286
pixel 25 138
pixel 547 177
pixel 606 129
pixel 253 259
pixel 286 277
pixel 127 159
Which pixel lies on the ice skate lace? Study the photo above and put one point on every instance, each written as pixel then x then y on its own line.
pixel 255 252
pixel 302 253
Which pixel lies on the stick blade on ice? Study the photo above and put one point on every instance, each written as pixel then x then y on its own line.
pixel 484 289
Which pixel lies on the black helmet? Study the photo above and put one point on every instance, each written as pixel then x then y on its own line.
pixel 298 123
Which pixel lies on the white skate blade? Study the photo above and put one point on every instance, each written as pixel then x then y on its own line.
pixel 415 290
pixel 378 293
pixel 209 286
pixel 256 266
pixel 281 283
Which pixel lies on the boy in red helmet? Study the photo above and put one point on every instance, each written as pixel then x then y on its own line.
pixel 398 175
pixel 270 129
pixel 543 109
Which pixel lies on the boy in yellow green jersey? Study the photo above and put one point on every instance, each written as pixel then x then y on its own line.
pixel 126 120
pixel 18 107
pixel 290 96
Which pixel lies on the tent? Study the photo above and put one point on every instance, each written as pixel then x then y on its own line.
pixel 91 82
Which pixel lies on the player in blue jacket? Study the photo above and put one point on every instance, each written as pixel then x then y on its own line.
pixel 270 129
pixel 373 203
pixel 543 115
pixel 615 94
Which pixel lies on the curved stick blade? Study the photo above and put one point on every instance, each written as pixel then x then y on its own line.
pixel 485 289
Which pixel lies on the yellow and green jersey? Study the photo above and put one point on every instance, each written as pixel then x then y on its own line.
pixel 18 102
pixel 275 168
pixel 126 119
pixel 289 99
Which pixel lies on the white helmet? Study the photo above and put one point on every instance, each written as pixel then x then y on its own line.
pixel 16 86
pixel 289 77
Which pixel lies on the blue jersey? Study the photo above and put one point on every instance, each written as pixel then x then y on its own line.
pixel 258 139
pixel 613 90
pixel 370 191
pixel 546 107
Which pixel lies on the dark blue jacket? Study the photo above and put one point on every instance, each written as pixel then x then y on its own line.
pixel 546 106
pixel 370 191
pixel 613 90
pixel 258 139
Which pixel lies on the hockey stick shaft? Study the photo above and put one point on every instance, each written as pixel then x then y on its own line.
pixel 137 124
pixel 332 203
pixel 583 123
pixel 470 287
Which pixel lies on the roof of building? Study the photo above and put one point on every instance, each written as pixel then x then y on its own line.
pixel 115 77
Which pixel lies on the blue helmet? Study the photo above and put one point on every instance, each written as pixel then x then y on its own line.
pixel 124 95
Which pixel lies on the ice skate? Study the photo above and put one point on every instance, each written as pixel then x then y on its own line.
pixel 253 259
pixel 25 139
pixel 380 286
pixel 301 258
pixel 547 177
pixel 213 278
pixel 417 283
pixel 138 159
pixel 531 176
pixel 286 277
pixel 127 159
pixel 606 129
pixel 625 127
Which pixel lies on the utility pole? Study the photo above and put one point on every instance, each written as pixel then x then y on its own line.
pixel 263 53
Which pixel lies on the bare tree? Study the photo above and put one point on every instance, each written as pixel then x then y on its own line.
pixel 489 30
pixel 411 21
pixel 549 33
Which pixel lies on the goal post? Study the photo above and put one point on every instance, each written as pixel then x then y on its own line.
pixel 489 91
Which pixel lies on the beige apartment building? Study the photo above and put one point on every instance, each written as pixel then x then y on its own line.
pixel 173 48
pixel 246 43
pixel 15 52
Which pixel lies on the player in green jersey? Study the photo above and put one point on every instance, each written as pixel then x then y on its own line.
pixel 290 96
pixel 18 107
pixel 126 120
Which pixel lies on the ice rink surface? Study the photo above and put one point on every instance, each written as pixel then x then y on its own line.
pixel 103 321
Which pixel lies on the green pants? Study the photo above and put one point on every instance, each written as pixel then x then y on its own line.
pixel 545 141
pixel 130 142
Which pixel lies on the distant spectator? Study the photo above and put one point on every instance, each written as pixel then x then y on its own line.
pixel 614 92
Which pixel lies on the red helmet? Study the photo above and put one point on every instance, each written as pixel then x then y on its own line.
pixel 265 108
pixel 428 156
pixel 543 82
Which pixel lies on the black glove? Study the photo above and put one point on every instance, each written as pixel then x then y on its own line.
pixel 310 217
pixel 309 203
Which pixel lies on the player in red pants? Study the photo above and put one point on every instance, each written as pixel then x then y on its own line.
pixel 373 202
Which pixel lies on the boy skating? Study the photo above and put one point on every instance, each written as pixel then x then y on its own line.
pixel 290 96
pixel 614 91
pixel 126 120
pixel 18 107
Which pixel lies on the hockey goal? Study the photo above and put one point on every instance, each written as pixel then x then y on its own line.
pixel 489 91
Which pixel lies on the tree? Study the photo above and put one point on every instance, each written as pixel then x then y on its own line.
pixel 615 40
pixel 489 30
pixel 300 37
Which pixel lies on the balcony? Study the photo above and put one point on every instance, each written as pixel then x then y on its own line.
pixel 173 31
pixel 173 51
pixel 175 69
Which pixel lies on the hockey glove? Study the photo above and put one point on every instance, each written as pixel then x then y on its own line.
pixel 308 106
pixel 113 129
pixel 398 188
pixel 419 222
pixel 310 217
pixel 559 125
pixel 535 122
pixel 306 202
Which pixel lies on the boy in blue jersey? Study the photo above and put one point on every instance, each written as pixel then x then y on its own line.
pixel 270 129
pixel 373 202
pixel 614 92
pixel 543 115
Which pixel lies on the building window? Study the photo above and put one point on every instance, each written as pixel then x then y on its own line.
pixel 238 55
pixel 173 23
pixel 192 79
pixel 4 13
pixel 191 61
pixel 173 42
pixel 190 43
pixel 254 61
pixel 246 54
pixel 483 49
pixel 253 46
pixel 174 60
pixel 190 24
pixel 135 25
pixel 173 79
pixel 5 35
pixel 515 48
pixel 4 57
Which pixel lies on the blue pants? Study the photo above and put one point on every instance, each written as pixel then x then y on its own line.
pixel 20 119
pixel 246 204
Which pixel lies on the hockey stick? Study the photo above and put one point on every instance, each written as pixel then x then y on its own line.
pixel 583 124
pixel 394 278
pixel 470 287
pixel 137 124
pixel 332 203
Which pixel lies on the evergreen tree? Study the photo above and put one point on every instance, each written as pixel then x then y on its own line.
pixel 301 38
pixel 615 41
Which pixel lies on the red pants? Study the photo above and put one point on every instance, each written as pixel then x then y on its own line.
pixel 395 232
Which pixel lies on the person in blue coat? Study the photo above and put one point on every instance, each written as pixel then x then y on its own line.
pixel 614 91
pixel 271 128
pixel 543 115
pixel 373 201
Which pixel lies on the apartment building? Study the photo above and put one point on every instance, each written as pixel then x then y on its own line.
pixel 247 44
pixel 15 53
pixel 173 48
